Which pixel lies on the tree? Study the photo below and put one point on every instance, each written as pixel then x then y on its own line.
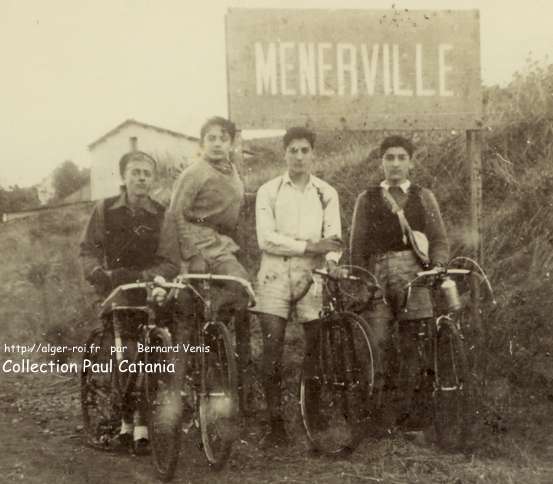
pixel 15 199
pixel 67 179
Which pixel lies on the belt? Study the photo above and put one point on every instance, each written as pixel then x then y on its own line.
pixel 395 253
pixel 204 223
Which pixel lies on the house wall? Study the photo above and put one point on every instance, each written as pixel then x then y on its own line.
pixel 104 157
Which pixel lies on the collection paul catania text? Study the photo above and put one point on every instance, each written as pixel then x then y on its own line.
pixel 107 365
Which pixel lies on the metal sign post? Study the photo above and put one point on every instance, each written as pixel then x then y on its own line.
pixel 474 155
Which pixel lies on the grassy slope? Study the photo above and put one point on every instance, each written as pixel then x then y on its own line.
pixel 44 297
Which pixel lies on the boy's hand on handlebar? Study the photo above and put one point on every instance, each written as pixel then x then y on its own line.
pixel 335 271
pixel 100 279
pixel 439 269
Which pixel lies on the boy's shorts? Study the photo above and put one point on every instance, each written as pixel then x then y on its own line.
pixel 394 270
pixel 285 287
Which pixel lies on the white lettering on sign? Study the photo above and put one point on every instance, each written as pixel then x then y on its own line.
pixel 323 69
pixel 346 63
pixel 369 70
pixel 398 91
pixel 265 69
pixel 308 69
pixel 326 69
pixel 443 69
pixel 285 67
pixel 419 84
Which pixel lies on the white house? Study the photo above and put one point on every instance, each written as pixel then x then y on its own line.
pixel 45 189
pixel 167 147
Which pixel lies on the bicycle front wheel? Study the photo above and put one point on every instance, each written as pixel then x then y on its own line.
pixel 100 408
pixel 451 394
pixel 218 402
pixel 335 398
pixel 163 395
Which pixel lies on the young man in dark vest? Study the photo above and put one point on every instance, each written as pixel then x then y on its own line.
pixel 379 245
pixel 119 246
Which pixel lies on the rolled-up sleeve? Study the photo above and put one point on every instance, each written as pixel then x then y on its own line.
pixel 268 238
pixel 332 224
pixel 92 243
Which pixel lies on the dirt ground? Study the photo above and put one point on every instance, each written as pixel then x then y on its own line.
pixel 42 442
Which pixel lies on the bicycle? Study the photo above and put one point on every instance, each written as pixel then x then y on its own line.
pixel 110 383
pixel 204 384
pixel 335 398
pixel 443 362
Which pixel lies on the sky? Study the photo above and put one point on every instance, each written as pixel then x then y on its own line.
pixel 73 70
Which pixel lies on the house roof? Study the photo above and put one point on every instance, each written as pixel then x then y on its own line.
pixel 144 125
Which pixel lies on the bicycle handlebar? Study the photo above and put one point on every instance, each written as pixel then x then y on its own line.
pixel 439 272
pixel 324 273
pixel 212 277
pixel 177 284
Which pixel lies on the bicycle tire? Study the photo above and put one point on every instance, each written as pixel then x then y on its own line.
pixel 218 399
pixel 100 411
pixel 163 397
pixel 451 393
pixel 336 413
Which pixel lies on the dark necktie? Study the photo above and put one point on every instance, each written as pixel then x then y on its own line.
pixel 397 193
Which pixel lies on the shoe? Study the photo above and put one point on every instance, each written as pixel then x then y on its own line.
pixel 276 437
pixel 142 447
pixel 123 444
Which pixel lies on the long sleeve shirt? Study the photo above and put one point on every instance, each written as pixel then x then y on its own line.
pixel 115 236
pixel 287 217
pixel 208 194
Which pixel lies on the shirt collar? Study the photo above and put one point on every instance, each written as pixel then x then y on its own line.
pixel 122 202
pixel 286 179
pixel 224 166
pixel 404 186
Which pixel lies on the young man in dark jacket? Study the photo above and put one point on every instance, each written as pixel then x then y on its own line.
pixel 119 246
pixel 379 245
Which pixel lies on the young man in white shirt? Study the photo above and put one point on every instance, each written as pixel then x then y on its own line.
pixel 298 230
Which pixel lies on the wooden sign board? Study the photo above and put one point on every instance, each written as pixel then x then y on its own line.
pixel 354 69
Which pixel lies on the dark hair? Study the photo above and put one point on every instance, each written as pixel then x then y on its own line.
pixel 298 132
pixel 134 156
pixel 397 141
pixel 225 124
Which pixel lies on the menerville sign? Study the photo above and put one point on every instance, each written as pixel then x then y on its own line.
pixel 365 69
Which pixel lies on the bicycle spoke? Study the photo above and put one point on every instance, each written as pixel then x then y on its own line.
pixel 100 414
pixel 334 403
pixel 451 394
pixel 218 405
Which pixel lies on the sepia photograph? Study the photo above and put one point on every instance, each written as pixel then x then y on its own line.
pixel 301 241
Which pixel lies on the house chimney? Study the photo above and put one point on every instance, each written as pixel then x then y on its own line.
pixel 134 143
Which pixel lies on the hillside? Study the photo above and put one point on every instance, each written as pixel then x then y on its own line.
pixel 45 299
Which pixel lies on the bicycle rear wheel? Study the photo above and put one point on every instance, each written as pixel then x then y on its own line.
pixel 100 409
pixel 451 386
pixel 335 402
pixel 218 402
pixel 163 395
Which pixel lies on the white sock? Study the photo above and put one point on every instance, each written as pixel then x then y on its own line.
pixel 126 428
pixel 140 432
